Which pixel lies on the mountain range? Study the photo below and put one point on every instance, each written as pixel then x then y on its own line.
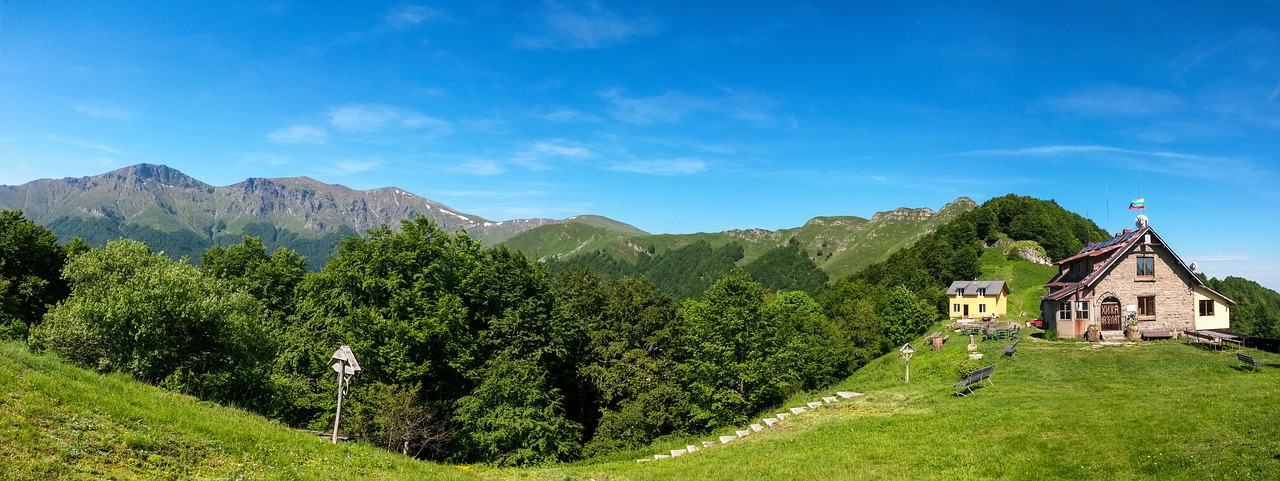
pixel 183 216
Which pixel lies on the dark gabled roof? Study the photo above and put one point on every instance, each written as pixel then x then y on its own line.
pixel 971 287
pixel 1113 250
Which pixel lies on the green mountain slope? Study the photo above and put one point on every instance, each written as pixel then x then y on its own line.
pixel 837 245
pixel 569 238
pixel 1025 279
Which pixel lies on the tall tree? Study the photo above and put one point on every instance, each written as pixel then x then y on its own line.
pixel 31 263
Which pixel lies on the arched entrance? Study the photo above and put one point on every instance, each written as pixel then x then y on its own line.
pixel 1109 314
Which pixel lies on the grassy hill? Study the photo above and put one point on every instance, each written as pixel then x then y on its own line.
pixel 1025 279
pixel 1057 410
pixel 837 245
pixel 61 422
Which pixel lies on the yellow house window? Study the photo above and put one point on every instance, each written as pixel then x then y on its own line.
pixel 981 307
pixel 955 308
pixel 1206 307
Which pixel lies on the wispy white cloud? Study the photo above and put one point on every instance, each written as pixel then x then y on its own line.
pixel 84 143
pixel 406 16
pixel 374 118
pixel 106 112
pixel 1221 257
pixel 1162 162
pixel 1063 150
pixel 300 134
pixel 495 193
pixel 677 166
pixel 588 27
pixel 365 123
pixel 537 154
pixel 569 115
pixel 668 107
pixel 1117 100
pixel 671 107
pixel 352 166
pixel 477 167
pixel 262 158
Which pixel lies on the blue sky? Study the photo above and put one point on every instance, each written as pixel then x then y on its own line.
pixel 678 116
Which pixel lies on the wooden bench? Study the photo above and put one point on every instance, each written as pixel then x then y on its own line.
pixel 1157 334
pixel 1008 351
pixel 1247 359
pixel 974 378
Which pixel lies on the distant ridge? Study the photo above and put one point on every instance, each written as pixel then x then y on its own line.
pixel 838 245
pixel 181 215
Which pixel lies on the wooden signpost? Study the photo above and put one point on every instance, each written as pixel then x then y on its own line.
pixel 344 363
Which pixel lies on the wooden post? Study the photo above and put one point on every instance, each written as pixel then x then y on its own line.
pixel 338 416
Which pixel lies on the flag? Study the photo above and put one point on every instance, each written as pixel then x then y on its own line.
pixel 1137 204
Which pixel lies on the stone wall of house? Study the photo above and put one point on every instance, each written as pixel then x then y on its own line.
pixel 1175 302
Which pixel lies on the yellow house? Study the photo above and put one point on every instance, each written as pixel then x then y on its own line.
pixel 976 299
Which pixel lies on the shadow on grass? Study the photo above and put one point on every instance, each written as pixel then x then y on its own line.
pixel 1244 368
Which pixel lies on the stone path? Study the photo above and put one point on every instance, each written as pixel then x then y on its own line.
pixel 769 423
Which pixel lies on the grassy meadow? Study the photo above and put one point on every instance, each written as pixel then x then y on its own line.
pixel 1057 410
pixel 61 422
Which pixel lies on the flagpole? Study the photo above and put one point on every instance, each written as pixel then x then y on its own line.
pixel 1107 187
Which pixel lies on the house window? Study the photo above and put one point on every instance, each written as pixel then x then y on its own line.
pixel 1146 267
pixel 960 292
pixel 982 292
pixel 1082 310
pixel 982 308
pixel 1206 307
pixel 955 308
pixel 1147 306
pixel 1064 310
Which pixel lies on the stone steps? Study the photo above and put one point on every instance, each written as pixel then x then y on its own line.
pixel 769 423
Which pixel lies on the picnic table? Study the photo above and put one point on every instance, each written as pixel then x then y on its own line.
pixel 1213 338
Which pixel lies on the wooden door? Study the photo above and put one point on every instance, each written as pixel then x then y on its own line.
pixel 1110 315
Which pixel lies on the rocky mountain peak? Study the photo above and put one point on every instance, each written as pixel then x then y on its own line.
pixel 160 174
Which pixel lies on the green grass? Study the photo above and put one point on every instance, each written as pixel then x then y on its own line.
pixel 60 422
pixel 1058 410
